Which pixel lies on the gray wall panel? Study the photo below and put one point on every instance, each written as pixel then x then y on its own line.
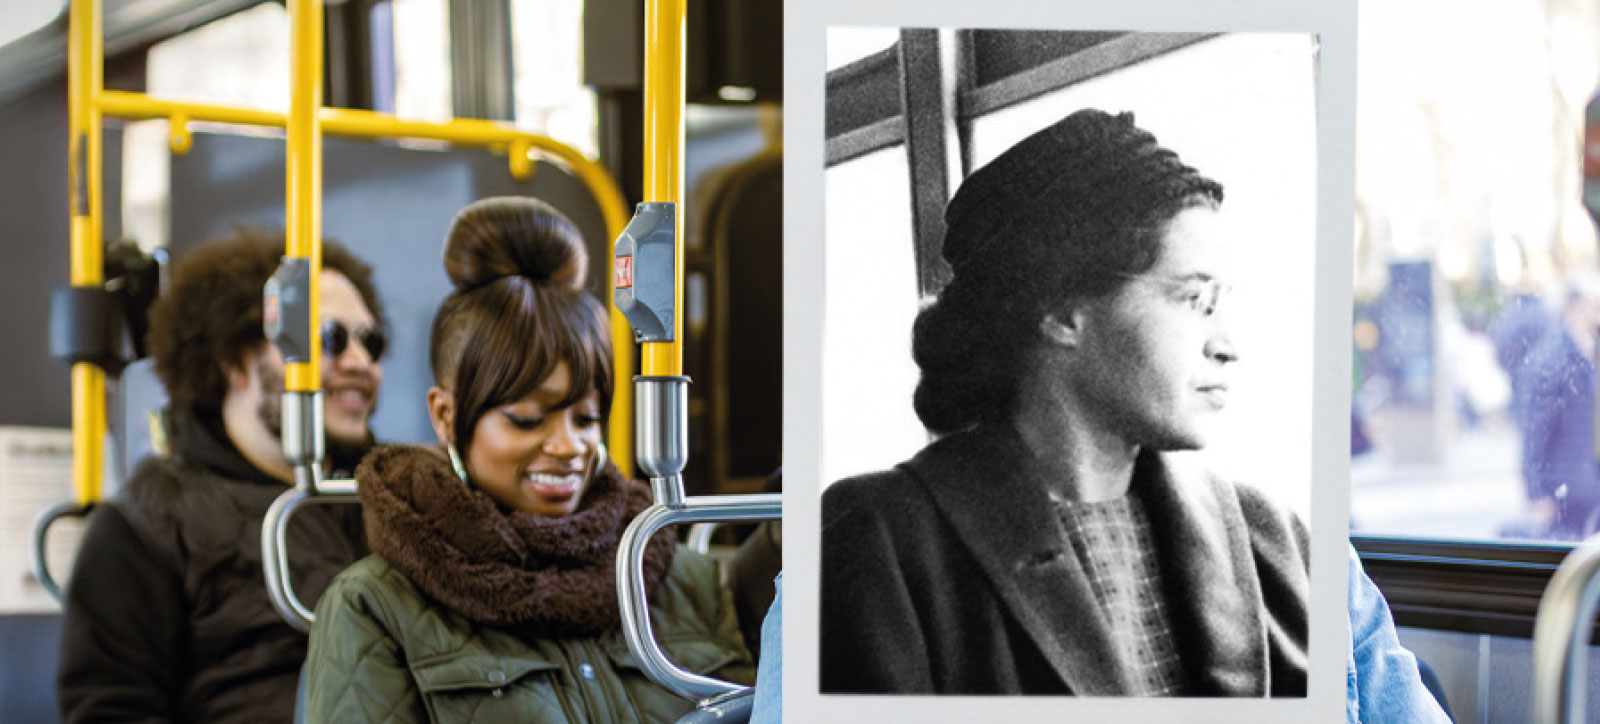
pixel 33 238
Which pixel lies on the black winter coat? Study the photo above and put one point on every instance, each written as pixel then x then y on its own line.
pixel 167 614
pixel 952 574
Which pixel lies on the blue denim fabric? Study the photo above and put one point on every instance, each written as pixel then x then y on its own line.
pixel 769 672
pixel 1382 685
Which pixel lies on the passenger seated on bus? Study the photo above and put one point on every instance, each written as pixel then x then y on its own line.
pixel 1045 543
pixel 491 594
pixel 167 615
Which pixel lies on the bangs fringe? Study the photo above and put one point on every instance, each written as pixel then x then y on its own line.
pixel 534 330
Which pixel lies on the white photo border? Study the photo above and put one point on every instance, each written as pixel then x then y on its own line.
pixel 805 27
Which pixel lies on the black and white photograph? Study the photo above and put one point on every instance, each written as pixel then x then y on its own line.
pixel 1068 364
pixel 1070 516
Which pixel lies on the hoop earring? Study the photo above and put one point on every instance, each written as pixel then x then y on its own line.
pixel 455 463
pixel 598 464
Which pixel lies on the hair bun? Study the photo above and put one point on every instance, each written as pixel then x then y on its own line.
pixel 508 236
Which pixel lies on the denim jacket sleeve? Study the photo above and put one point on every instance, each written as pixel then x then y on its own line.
pixel 768 708
pixel 1381 682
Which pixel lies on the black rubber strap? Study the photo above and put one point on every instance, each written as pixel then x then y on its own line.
pixel 86 325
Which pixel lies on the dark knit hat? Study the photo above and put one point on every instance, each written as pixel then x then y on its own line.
pixel 1067 212
pixel 1090 168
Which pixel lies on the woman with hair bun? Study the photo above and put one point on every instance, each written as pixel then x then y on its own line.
pixel 491 594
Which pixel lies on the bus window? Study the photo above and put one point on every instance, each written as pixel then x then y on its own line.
pixel 245 61
pixel 421 81
pixel 547 55
pixel 866 342
pixel 1475 291
pixel 847 45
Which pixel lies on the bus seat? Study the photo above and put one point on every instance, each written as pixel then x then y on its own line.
pixel 30 650
pixel 736 248
pixel 1431 682
pixel 139 426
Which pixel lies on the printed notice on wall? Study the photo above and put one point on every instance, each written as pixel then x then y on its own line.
pixel 35 473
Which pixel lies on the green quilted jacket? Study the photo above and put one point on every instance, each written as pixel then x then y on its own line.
pixel 382 651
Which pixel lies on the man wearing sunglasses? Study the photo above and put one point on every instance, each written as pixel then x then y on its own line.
pixel 167 614
pixel 352 344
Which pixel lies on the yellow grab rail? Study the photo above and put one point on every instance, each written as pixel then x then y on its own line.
pixel 303 176
pixel 663 173
pixel 85 77
pixel 351 123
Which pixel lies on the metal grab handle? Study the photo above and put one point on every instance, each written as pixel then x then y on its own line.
pixel 1561 637
pixel 630 584
pixel 275 545
pixel 41 529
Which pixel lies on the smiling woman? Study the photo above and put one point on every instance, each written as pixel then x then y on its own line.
pixel 536 454
pixel 495 556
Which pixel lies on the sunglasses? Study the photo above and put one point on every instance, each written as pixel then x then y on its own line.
pixel 336 337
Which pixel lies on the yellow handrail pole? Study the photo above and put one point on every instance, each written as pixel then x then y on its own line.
pixel 138 106
pixel 351 123
pixel 85 75
pixel 663 143
pixel 303 211
pixel 368 124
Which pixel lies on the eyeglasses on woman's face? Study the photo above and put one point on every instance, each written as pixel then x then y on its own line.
pixel 1201 293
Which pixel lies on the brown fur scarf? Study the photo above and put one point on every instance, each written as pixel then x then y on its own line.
pixel 553 576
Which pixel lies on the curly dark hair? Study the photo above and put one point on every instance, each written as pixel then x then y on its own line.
pixel 1067 213
pixel 211 314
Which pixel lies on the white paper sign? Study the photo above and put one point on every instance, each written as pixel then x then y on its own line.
pixel 35 473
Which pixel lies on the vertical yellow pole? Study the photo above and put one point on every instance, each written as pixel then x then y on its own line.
pixel 663 144
pixel 619 429
pixel 303 211
pixel 85 73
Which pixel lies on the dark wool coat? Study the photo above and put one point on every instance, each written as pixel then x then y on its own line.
pixel 167 614
pixel 952 574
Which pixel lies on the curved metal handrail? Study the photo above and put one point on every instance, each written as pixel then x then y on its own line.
pixel 631 591
pixel 275 544
pixel 735 708
pixel 1561 637
pixel 41 529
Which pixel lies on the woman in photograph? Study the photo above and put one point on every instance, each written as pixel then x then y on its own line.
pixel 1046 543
pixel 492 592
